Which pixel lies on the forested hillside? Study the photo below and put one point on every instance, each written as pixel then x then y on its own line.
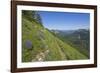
pixel 40 44
pixel 78 39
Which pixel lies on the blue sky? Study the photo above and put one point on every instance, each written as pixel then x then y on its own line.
pixel 65 20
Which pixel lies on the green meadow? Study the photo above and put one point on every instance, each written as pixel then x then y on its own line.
pixel 41 44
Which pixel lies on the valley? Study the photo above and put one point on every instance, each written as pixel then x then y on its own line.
pixel 41 44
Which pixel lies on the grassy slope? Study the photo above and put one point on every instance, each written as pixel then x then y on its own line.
pixel 43 40
pixel 69 40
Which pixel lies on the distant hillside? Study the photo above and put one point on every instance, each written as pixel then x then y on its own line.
pixel 40 44
pixel 79 39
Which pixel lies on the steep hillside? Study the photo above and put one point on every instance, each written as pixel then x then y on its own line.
pixel 39 44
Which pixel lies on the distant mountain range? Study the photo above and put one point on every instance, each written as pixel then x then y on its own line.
pixel 77 38
pixel 70 31
pixel 41 44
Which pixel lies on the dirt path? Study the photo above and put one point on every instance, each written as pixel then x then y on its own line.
pixel 41 56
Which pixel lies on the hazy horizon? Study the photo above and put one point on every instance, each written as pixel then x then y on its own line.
pixel 67 29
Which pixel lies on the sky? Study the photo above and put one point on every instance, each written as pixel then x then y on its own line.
pixel 65 20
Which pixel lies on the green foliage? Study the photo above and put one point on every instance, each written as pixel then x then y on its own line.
pixel 32 16
pixel 72 38
pixel 46 46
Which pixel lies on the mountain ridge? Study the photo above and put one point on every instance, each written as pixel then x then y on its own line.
pixel 43 45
